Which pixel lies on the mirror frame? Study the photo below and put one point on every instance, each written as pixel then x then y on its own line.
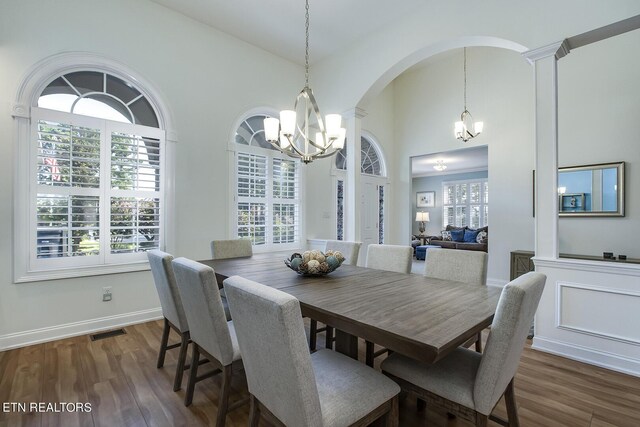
pixel 619 195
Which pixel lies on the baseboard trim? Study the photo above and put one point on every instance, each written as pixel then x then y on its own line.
pixel 52 333
pixel 588 355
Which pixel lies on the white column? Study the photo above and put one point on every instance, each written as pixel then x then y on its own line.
pixel 352 206
pixel 545 62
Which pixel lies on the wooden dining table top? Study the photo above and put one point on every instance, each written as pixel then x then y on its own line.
pixel 421 317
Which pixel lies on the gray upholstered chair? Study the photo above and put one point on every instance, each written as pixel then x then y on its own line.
pixel 287 385
pixel 470 384
pixel 394 258
pixel 236 248
pixel 172 311
pixel 350 250
pixel 461 266
pixel 211 334
pixel 224 249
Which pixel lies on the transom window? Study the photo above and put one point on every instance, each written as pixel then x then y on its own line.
pixel 370 163
pixel 96 187
pixel 267 190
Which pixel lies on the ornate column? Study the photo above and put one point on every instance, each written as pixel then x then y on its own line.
pixel 352 206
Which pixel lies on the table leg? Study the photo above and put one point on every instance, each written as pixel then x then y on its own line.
pixel 346 344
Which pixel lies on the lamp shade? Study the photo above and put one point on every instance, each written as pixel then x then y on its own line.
pixel 422 216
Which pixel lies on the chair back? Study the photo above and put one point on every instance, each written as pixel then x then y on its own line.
pixel 275 353
pixel 236 248
pixel 350 250
pixel 455 264
pixel 517 306
pixel 203 308
pixel 390 257
pixel 165 281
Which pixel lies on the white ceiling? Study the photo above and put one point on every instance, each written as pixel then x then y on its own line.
pixel 277 26
pixel 457 161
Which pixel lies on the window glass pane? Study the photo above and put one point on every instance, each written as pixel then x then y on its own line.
pixel 103 107
pixel 68 156
pixel 122 90
pixel 447 216
pixel 381 214
pixel 284 223
pixel 252 222
pixel 135 162
pixel 58 86
pixel 252 175
pixel 340 211
pixel 461 216
pixel 143 113
pixel 486 192
pixel 486 216
pixel 135 224
pixel 285 184
pixel 475 216
pixel 461 193
pixel 476 188
pixel 86 81
pixel 67 225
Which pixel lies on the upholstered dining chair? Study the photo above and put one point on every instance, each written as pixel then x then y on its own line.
pixel 234 248
pixel 351 251
pixel 470 384
pixel 461 266
pixel 211 334
pixel 288 386
pixel 172 311
pixel 396 258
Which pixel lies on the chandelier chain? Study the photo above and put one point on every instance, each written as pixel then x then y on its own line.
pixel 306 53
pixel 465 78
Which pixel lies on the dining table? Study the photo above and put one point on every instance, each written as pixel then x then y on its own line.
pixel 418 316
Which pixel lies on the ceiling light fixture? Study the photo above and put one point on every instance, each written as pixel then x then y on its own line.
pixel 440 166
pixel 300 132
pixel 463 128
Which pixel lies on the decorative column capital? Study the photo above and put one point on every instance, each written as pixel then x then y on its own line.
pixel 558 49
pixel 356 112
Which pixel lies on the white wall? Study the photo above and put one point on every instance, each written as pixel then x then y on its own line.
pixel 598 111
pixel 429 100
pixel 208 78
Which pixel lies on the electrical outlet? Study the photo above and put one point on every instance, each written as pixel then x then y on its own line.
pixel 106 294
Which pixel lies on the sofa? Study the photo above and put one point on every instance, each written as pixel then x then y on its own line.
pixel 462 238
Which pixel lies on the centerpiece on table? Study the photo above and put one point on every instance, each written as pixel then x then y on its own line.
pixel 315 263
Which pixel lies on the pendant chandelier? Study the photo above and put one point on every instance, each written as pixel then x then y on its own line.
pixel 300 132
pixel 440 166
pixel 466 129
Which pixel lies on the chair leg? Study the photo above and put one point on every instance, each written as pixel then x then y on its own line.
pixel 193 374
pixel 392 417
pixel 329 337
pixel 163 343
pixel 479 343
pixel 481 420
pixel 369 353
pixel 313 334
pixel 254 411
pixel 512 408
pixel 223 400
pixel 184 344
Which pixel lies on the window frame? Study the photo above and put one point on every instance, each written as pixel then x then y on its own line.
pixel 35 81
pixel 299 202
pixel 484 182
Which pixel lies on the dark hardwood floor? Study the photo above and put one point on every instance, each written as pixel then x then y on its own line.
pixel 118 377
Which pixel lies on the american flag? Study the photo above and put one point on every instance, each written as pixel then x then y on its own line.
pixel 53 168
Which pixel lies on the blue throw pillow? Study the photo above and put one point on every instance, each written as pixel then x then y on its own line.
pixel 457 235
pixel 470 236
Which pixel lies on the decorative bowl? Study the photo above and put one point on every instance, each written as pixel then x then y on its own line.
pixel 315 263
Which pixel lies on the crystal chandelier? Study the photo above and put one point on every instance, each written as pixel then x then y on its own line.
pixel 440 166
pixel 463 128
pixel 300 132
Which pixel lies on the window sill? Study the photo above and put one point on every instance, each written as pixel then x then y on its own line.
pixel 67 273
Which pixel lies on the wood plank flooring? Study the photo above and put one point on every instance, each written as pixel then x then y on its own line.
pixel 118 377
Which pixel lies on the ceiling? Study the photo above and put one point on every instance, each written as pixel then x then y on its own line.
pixel 277 26
pixel 457 161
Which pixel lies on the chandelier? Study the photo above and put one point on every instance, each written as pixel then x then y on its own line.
pixel 300 132
pixel 440 166
pixel 463 128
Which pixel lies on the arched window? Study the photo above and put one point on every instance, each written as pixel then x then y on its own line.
pixel 266 197
pixel 96 192
pixel 370 158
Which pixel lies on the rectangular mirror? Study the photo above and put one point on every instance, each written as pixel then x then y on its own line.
pixel 591 190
